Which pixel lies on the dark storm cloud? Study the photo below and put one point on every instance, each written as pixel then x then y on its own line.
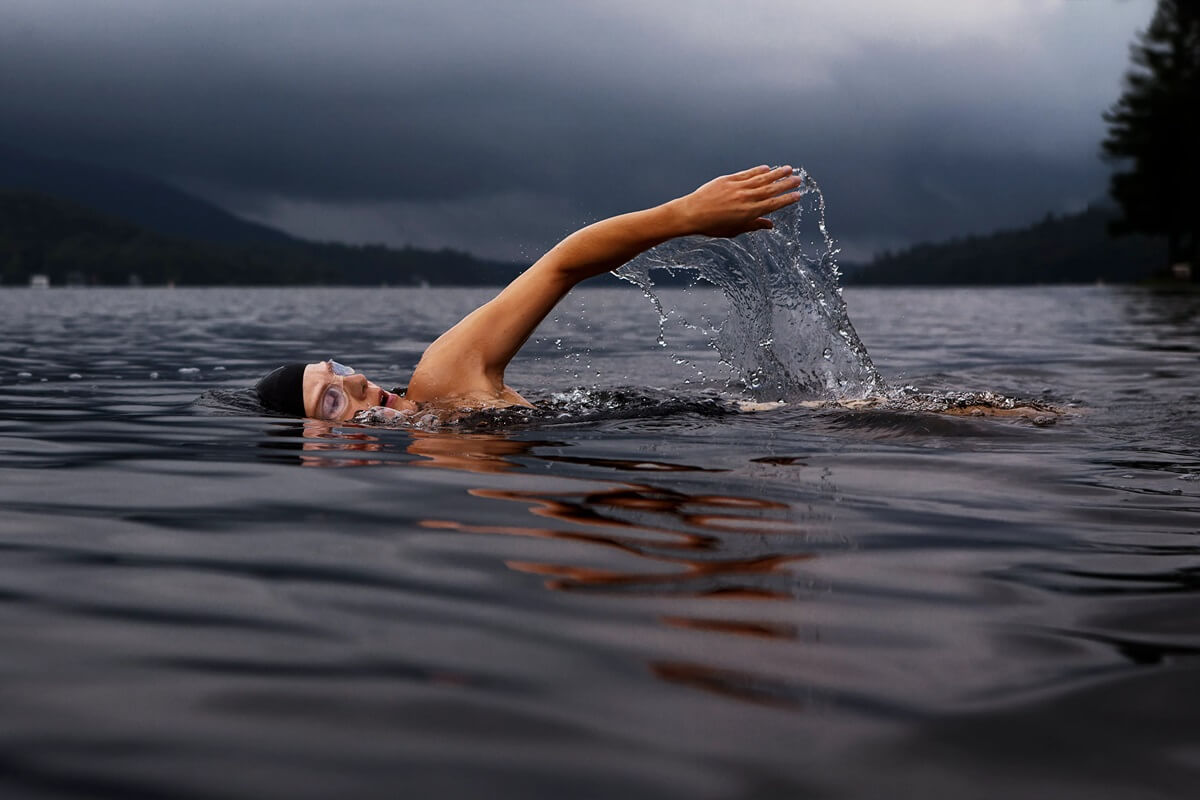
pixel 497 126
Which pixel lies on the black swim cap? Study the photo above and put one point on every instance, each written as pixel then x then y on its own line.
pixel 282 389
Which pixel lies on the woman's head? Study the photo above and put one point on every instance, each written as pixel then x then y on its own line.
pixel 323 390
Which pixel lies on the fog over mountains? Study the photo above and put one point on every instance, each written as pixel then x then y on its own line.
pixel 497 128
pixel 152 204
pixel 82 224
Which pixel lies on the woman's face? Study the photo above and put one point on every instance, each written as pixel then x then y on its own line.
pixel 336 392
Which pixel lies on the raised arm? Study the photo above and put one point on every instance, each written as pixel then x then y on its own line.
pixel 470 358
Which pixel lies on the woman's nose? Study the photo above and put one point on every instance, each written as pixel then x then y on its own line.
pixel 357 385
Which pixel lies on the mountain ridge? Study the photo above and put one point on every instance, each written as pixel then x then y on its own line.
pixel 80 223
pixel 69 243
pixel 91 224
pixel 1067 248
pixel 150 203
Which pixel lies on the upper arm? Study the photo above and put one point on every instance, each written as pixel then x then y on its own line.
pixel 472 355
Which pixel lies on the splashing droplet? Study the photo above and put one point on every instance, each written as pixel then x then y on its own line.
pixel 787 334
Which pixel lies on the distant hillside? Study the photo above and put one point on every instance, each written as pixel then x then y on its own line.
pixel 151 204
pixel 1073 248
pixel 69 243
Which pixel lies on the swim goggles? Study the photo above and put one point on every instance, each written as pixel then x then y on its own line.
pixel 334 401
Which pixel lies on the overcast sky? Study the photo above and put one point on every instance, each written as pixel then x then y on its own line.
pixel 497 127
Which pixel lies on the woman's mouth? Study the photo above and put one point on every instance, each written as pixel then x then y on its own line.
pixel 385 398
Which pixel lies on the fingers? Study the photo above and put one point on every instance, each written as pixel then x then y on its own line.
pixel 778 187
pixel 746 198
pixel 769 176
pixel 779 201
pixel 750 173
pixel 764 181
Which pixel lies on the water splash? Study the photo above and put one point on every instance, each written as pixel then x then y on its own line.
pixel 787 335
pixel 571 407
pixel 590 405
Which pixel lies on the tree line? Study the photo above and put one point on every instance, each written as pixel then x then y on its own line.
pixel 1152 142
pixel 1072 248
pixel 1153 228
pixel 1154 135
pixel 70 244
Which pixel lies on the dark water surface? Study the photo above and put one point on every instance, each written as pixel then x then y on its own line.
pixel 646 596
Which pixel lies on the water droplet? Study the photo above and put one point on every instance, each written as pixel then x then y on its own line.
pixel 784 303
pixel 75 376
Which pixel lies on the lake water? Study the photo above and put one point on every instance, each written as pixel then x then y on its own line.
pixel 641 594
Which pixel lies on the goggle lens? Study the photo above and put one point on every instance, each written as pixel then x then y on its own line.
pixel 333 403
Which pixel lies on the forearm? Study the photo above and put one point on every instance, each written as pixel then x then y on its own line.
pixel 472 355
pixel 725 206
pixel 606 245
pixel 495 331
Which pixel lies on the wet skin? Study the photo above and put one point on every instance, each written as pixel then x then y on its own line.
pixel 321 384
pixel 464 367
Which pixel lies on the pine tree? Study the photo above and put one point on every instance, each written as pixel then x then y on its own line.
pixel 1154 131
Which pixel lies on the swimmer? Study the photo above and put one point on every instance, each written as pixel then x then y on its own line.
pixel 464 367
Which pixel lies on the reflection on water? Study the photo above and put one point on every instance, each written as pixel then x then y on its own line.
pixel 681 544
pixel 327 444
pixel 737 685
pixel 639 593
pixel 678 531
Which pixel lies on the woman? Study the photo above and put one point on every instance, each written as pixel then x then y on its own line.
pixel 465 365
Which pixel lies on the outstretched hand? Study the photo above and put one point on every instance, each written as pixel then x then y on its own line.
pixel 468 361
pixel 737 203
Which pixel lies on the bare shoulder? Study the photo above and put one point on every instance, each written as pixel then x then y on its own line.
pixel 450 367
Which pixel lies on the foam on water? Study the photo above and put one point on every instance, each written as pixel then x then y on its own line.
pixel 208 602
pixel 787 335
pixel 573 406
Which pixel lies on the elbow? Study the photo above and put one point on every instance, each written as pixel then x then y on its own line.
pixel 559 269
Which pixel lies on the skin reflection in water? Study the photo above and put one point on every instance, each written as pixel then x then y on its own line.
pixel 483 453
pixel 706 546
